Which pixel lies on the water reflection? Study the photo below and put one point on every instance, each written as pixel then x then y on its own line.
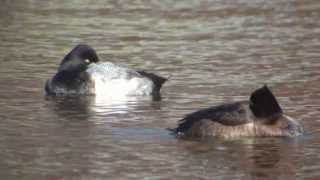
pixel 274 160
pixel 248 158
pixel 216 51
pixel 86 107
pixel 70 107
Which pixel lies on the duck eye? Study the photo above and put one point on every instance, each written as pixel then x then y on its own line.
pixel 87 61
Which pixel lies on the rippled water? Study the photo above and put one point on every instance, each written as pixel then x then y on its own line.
pixel 214 51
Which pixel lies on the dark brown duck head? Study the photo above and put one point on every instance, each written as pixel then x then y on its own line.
pixel 260 116
pixel 269 118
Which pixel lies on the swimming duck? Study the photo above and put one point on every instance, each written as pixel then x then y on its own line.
pixel 81 73
pixel 258 117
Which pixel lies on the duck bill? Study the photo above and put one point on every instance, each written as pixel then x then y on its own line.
pixel 294 127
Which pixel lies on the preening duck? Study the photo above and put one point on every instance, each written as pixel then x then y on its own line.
pixel 80 72
pixel 258 117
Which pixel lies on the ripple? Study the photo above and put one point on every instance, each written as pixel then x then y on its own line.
pixel 213 51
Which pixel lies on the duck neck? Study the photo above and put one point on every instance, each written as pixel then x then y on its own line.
pixel 66 77
pixel 69 80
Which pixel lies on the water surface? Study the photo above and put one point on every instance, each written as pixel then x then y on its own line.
pixel 213 51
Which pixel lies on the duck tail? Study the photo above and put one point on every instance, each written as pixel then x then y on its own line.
pixel 264 104
pixel 157 80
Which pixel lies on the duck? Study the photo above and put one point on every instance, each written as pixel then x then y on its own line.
pixel 81 73
pixel 260 116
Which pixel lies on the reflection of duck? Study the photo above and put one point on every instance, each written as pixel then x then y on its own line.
pixel 71 108
pixel 260 157
pixel 78 73
pixel 86 107
pixel 261 116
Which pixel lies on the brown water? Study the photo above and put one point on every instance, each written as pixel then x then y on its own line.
pixel 215 51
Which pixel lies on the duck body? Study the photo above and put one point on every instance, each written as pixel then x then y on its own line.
pixel 80 72
pixel 109 78
pixel 261 116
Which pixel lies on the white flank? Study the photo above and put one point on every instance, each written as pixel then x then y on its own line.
pixel 115 81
